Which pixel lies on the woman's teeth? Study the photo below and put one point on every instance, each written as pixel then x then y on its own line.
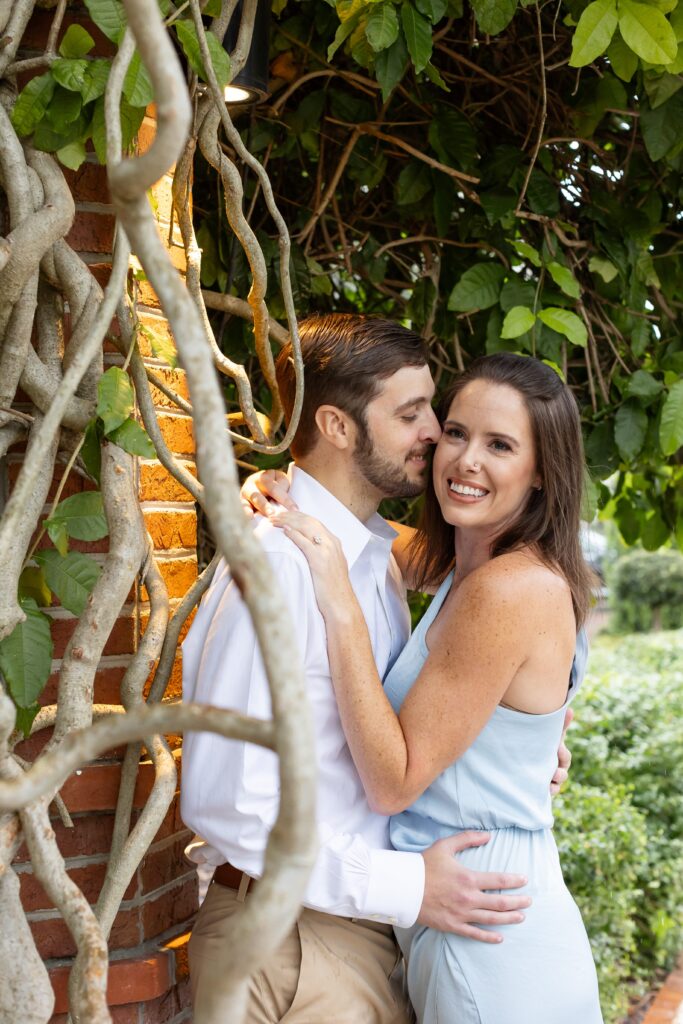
pixel 473 492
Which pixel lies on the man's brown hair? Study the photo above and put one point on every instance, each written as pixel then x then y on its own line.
pixel 346 357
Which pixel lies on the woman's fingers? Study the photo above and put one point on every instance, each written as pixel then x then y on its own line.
pixel 275 485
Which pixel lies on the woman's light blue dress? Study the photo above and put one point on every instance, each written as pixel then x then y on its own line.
pixel 543 971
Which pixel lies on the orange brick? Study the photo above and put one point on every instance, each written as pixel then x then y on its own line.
pixel 92 232
pixel 157 484
pixel 133 980
pixel 178 433
pixel 179 574
pixel 172 528
pixel 89 183
pixel 176 380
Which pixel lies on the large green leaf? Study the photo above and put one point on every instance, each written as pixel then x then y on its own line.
pixel 647 32
pixel 518 321
pixel 622 58
pixel 517 292
pixel 433 9
pixel 594 32
pixel 526 251
pixel 137 85
pixel 114 398
pixel 32 103
pixel 418 33
pixel 96 78
pixel 26 656
pixel 630 428
pixel 643 385
pixel 347 26
pixel 72 74
pixel 413 183
pixel 671 423
pixel 187 35
pixel 603 267
pixel 71 577
pixel 72 155
pixel 564 279
pixel 32 586
pixel 565 322
pixel 109 16
pixel 478 288
pixel 452 138
pixel 662 128
pixel 64 108
pixel 390 66
pixel 494 15
pixel 77 42
pixel 381 29
pixel 133 439
pixel 82 515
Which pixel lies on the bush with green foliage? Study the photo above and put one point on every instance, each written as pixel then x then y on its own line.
pixel 646 591
pixel 619 823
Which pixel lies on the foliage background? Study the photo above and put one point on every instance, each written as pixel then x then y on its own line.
pixel 619 823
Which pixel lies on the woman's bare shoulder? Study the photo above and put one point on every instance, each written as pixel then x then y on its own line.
pixel 519 577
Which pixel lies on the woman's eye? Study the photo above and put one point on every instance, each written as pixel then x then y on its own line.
pixel 501 446
pixel 453 432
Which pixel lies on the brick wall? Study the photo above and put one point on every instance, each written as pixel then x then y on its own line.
pixel 148 971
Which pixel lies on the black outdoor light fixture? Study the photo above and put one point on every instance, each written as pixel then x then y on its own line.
pixel 251 84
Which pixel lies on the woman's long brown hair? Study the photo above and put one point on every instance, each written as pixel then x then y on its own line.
pixel 551 519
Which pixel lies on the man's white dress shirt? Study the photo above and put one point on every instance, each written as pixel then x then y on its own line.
pixel 230 789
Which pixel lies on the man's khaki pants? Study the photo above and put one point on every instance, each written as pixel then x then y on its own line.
pixel 329 970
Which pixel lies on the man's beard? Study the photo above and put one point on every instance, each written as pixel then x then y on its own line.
pixel 389 478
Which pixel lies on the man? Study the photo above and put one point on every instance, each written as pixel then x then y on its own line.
pixel 364 435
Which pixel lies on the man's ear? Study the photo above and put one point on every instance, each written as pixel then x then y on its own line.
pixel 335 426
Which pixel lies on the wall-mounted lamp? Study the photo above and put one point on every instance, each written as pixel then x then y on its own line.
pixel 251 84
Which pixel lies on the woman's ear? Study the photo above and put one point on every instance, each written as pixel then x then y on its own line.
pixel 334 425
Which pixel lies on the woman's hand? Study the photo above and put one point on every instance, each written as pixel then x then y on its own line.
pixel 264 491
pixel 326 559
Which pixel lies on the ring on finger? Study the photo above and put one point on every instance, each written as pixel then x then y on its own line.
pixel 317 539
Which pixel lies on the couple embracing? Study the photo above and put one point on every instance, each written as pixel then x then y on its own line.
pixel 437 754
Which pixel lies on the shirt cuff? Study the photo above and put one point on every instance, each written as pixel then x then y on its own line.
pixel 396 887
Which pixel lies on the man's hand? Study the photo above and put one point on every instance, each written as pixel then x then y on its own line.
pixel 564 758
pixel 456 899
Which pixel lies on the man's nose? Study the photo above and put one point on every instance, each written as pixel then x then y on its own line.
pixel 431 431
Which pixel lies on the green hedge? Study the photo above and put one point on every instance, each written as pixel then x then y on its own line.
pixel 646 590
pixel 619 823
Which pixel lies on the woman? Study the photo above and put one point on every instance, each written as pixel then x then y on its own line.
pixel 465 732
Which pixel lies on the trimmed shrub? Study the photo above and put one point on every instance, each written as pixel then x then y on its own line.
pixel 647 591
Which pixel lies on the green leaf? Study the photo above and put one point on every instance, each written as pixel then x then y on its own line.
pixel 57 533
pixel 601 452
pixel 72 155
pixel 413 183
pixel 432 9
pixel 517 292
pixel 131 119
pixel 26 656
pixel 418 33
pixel 518 321
pixel 542 194
pixel 671 423
pixel 527 251
pixel 662 128
pixel 654 532
pixel 622 58
pixel 494 15
pixel 647 32
pixel 660 88
pixel 137 85
pixel 564 279
pixel 630 428
pixel 32 103
pixel 71 577
pixel 643 385
pixel 390 66
pixel 162 346
pixel 76 42
pixel 434 76
pixel 91 451
pixel 565 322
pixel 32 585
pixel 133 439
pixel 25 718
pixel 606 270
pixel 64 108
pixel 109 16
pixel 70 73
pixel 593 33
pixel 343 33
pixel 114 398
pixel 452 138
pixel 96 78
pixel 381 29
pixel 187 36
pixel 497 205
pixel 82 515
pixel 478 288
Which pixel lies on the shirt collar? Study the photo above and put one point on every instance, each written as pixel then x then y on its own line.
pixel 314 499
